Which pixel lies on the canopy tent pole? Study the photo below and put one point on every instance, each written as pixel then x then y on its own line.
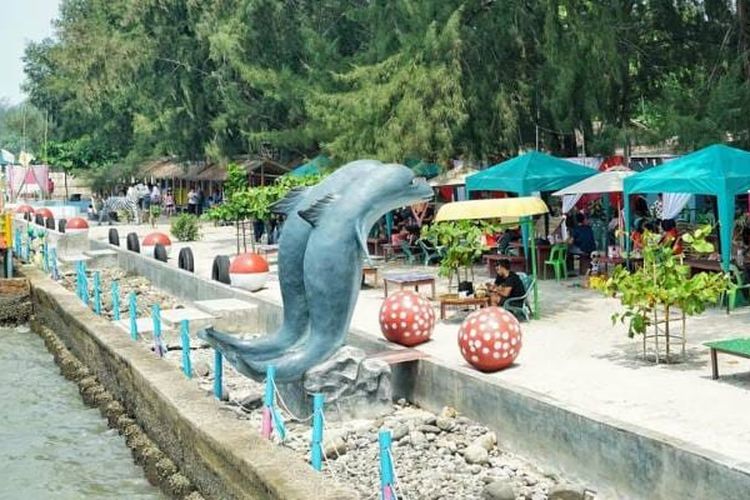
pixel 726 222
pixel 533 274
pixel 626 221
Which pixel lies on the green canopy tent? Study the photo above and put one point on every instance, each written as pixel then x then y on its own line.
pixel 313 167
pixel 718 170
pixel 526 174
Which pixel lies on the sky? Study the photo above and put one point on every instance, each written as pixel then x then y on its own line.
pixel 21 21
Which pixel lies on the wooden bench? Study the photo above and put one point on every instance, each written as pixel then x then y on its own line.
pixel 736 347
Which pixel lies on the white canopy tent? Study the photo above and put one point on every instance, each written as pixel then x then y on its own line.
pixel 455 177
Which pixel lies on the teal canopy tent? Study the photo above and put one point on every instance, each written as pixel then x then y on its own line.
pixel 529 173
pixel 717 170
pixel 526 174
pixel 426 170
pixel 312 167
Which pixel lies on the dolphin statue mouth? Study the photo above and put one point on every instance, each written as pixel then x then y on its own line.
pixel 339 213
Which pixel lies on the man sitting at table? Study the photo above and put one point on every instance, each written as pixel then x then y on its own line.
pixel 508 285
pixel 583 237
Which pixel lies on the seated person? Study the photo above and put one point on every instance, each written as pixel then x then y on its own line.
pixel 671 236
pixel 637 235
pixel 507 284
pixel 503 244
pixel 399 236
pixel 582 239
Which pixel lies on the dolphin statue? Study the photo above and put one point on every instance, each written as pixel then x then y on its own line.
pixel 291 255
pixel 340 220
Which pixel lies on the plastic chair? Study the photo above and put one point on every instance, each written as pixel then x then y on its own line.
pixel 519 306
pixel 735 284
pixel 411 257
pixel 558 259
pixel 430 253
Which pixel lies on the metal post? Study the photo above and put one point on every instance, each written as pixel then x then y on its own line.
pixel 9 262
pixel 316 448
pixel 218 375
pixel 84 285
pixel 133 311
pixel 116 300
pixel 187 368
pixel 97 294
pixel 158 341
pixel 534 257
pixel 386 467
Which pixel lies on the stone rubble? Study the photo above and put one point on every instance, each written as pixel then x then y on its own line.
pixel 436 457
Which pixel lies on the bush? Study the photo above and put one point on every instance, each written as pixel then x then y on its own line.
pixel 185 227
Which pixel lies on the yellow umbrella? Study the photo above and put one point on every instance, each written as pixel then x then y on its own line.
pixel 506 209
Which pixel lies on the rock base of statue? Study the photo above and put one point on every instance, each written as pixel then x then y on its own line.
pixel 354 387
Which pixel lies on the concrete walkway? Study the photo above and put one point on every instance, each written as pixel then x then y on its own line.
pixel 575 356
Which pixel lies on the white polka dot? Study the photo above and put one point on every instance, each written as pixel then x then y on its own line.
pixel 475 359
pixel 393 325
pixel 415 326
pixel 477 343
pixel 487 337
pixel 497 346
pixel 506 346
pixel 505 335
pixel 403 324
pixel 513 341
pixel 395 306
pixel 485 350
pixel 505 354
pixel 407 334
pixel 496 355
pixel 402 315
pixel 393 315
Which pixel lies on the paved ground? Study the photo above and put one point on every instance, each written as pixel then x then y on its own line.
pixel 574 355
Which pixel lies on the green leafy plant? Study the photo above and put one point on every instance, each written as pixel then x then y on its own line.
pixel 154 212
pixel 185 227
pixel 664 283
pixel 462 243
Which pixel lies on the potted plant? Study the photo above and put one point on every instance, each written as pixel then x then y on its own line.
pixel 462 242
pixel 662 285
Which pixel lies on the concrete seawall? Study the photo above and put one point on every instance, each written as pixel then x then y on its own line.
pixel 221 455
pixel 616 458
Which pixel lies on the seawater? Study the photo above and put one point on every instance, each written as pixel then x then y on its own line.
pixel 52 446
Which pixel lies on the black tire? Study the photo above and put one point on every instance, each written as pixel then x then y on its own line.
pixel 185 260
pixel 50 223
pixel 114 237
pixel 160 252
pixel 133 244
pixel 27 216
pixel 39 220
pixel 220 269
pixel 61 224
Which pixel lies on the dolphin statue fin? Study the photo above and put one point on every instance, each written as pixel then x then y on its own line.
pixel 285 205
pixel 313 213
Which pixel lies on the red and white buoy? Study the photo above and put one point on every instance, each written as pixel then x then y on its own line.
pixel 153 239
pixel 248 271
pixel 25 209
pixel 76 225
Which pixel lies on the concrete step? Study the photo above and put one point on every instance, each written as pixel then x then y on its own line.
pixel 197 319
pixel 144 325
pixel 102 258
pixel 232 315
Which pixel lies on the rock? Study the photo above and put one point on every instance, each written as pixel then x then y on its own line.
pixel 530 481
pixel 501 489
pixel 401 402
pixel 334 447
pixel 566 491
pixel 475 469
pixel 448 412
pixel 429 420
pixel 417 438
pixel 476 455
pixel 445 423
pixel 429 429
pixel 486 441
pixel 201 369
pixel 399 432
pixel 352 383
pixel 447 444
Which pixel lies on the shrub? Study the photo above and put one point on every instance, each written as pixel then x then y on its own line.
pixel 185 227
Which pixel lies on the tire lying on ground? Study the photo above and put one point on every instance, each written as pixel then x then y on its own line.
pixel 50 223
pixel 160 252
pixel 220 269
pixel 185 260
pixel 133 243
pixel 61 225
pixel 114 237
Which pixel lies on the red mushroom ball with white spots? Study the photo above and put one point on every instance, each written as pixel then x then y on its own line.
pixel 407 318
pixel 490 339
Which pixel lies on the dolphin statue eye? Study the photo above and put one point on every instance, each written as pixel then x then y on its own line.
pixel 418 180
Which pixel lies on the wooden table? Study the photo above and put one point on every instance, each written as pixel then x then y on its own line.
pixel 697 265
pixel 478 302
pixel 736 347
pixel 409 279
pixel 374 245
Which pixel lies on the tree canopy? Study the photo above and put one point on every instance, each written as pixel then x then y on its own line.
pixel 476 79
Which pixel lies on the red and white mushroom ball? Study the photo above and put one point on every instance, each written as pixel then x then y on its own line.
pixel 76 225
pixel 148 246
pixel 249 271
pixel 490 339
pixel 407 318
pixel 45 212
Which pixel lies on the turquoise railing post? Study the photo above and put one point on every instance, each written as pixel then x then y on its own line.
pixel 158 341
pixel 17 241
pixel 116 300
pixel 9 263
pixel 79 284
pixel 218 375
pixel 386 467
pixel 266 425
pixel 45 256
pixel 316 448
pixel 97 293
pixel 187 367
pixel 85 284
pixel 133 311
pixel 55 273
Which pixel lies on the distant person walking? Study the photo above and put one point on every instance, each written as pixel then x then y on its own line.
pixel 192 201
